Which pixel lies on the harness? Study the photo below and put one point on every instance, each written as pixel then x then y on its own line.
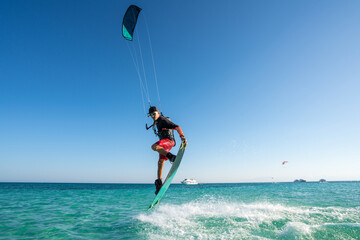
pixel 163 133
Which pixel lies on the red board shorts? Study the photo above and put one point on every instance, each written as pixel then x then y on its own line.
pixel 167 144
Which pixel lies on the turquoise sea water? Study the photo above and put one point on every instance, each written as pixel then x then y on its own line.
pixel 207 211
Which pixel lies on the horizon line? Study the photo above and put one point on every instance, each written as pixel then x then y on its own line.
pixel 175 183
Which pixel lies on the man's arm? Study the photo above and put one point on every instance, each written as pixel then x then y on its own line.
pixel 181 134
pixel 171 125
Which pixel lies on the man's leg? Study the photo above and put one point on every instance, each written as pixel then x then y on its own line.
pixel 158 181
pixel 160 168
pixel 164 152
pixel 159 149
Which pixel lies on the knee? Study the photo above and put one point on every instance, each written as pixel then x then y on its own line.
pixel 153 147
pixel 161 161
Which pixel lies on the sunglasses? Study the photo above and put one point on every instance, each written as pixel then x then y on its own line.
pixel 152 114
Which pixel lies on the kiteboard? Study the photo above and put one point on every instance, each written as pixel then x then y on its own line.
pixel 170 176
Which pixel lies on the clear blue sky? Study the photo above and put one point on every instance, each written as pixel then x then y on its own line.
pixel 252 84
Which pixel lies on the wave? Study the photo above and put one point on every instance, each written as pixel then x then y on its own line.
pixel 216 218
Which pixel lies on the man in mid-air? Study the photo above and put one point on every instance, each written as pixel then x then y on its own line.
pixel 164 129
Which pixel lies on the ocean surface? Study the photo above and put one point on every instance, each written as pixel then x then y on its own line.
pixel 206 211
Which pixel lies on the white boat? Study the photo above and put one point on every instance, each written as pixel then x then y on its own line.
pixel 189 181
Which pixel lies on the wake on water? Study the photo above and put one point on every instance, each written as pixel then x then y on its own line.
pixel 211 218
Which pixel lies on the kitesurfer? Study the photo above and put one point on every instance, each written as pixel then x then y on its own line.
pixel 164 130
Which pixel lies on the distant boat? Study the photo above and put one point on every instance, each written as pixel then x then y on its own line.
pixel 299 180
pixel 323 181
pixel 189 181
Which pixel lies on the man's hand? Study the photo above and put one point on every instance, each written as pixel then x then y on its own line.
pixel 183 139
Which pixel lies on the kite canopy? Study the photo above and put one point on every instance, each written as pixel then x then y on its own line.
pixel 129 21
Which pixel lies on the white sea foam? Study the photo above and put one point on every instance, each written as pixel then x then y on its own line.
pixel 293 229
pixel 210 218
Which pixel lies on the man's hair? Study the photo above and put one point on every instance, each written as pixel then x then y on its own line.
pixel 153 109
